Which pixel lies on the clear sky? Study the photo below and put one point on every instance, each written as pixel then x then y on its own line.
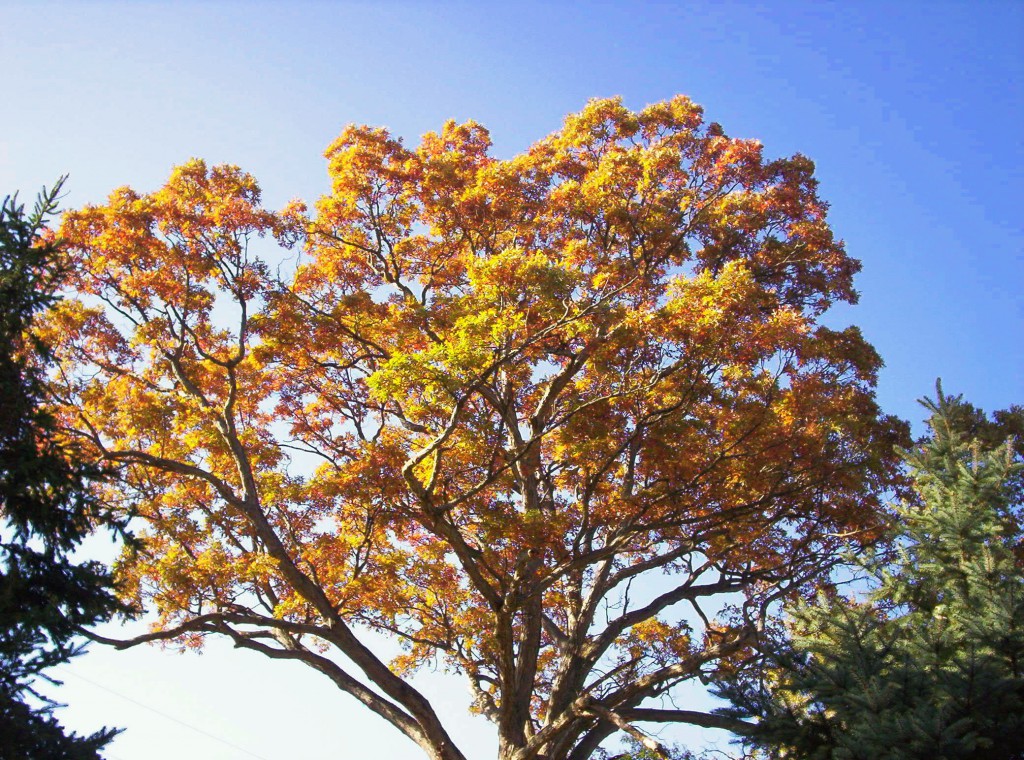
pixel 913 112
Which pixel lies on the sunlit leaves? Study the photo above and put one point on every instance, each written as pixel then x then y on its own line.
pixel 492 392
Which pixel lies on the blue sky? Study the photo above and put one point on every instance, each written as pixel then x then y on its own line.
pixel 911 110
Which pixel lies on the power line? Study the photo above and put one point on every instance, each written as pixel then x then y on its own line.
pixel 163 714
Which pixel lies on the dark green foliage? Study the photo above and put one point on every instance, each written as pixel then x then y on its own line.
pixel 32 734
pixel 45 506
pixel 932 665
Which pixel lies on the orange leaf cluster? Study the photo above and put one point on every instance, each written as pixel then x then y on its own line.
pixel 495 394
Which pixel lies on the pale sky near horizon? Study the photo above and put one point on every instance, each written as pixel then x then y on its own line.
pixel 913 112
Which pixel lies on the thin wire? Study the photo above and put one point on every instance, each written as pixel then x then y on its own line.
pixel 163 715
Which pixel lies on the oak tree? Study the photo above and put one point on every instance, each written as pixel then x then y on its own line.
pixel 577 422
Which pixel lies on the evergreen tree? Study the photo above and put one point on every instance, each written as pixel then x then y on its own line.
pixel 931 665
pixel 46 508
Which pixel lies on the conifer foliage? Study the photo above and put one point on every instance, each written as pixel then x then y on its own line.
pixel 45 507
pixel 932 664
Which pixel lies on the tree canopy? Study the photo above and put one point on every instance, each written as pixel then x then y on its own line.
pixel 531 384
pixel 46 508
pixel 931 664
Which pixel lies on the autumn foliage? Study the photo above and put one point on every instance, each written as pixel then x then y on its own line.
pixel 493 396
